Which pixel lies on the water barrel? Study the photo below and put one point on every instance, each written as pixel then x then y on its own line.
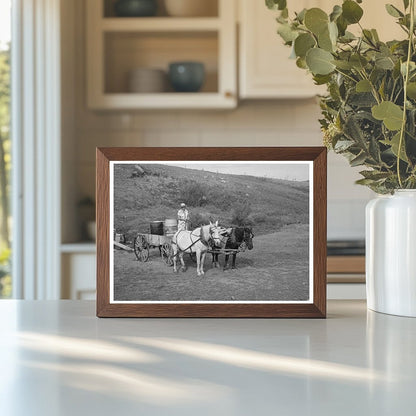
pixel 171 226
pixel 120 238
pixel 156 227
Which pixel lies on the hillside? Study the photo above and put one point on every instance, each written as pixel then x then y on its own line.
pixel 267 204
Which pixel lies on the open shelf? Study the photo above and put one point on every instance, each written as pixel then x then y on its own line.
pixel 160 24
pixel 126 51
pixel 80 247
pixel 211 9
pixel 119 45
pixel 168 100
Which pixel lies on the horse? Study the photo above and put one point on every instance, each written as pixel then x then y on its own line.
pixel 198 241
pixel 239 238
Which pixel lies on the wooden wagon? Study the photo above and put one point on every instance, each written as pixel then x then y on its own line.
pixel 146 241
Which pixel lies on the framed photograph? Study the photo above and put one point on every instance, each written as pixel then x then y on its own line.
pixel 211 232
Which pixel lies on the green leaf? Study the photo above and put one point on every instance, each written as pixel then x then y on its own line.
pixel 287 33
pixel 301 15
pixel 282 20
pixel 301 63
pixel 276 4
pixel 333 32
pixel 394 145
pixel 374 174
pixel 336 12
pixel 406 4
pixel 393 11
pixel 343 145
pixel 363 86
pixel 347 37
pixel 354 132
pixel 342 25
pixel 374 150
pixel 351 11
pixel 362 99
pixel 368 36
pixel 384 62
pixel 325 42
pixel 316 20
pixel 382 89
pixel 358 160
pixel 345 65
pixel 375 35
pixel 412 67
pixel 319 61
pixel 388 112
pixel 396 70
pixel 365 182
pixel 303 43
pixel 358 61
pixel 321 79
pixel 411 90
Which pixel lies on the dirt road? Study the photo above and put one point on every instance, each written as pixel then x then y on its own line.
pixel 276 269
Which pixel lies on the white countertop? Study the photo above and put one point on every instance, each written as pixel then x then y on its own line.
pixel 57 358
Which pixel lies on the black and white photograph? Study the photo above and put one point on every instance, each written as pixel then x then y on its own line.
pixel 211 232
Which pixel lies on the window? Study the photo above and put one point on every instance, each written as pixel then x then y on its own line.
pixel 5 147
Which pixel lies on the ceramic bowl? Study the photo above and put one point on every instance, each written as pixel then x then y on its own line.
pixel 147 80
pixel 135 8
pixel 186 76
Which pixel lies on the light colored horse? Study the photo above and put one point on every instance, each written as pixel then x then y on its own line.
pixel 198 241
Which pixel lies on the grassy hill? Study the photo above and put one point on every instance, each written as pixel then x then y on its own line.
pixel 267 204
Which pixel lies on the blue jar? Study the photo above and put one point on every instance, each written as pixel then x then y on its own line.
pixel 187 76
pixel 135 8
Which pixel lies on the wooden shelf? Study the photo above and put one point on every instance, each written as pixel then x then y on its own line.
pixel 128 101
pixel 160 24
pixel 346 269
pixel 346 264
pixel 87 247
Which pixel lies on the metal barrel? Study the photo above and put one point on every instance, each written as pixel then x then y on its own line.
pixel 171 226
pixel 156 227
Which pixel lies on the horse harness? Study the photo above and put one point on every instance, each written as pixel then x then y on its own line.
pixel 193 243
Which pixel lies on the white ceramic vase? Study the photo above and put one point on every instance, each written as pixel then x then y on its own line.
pixel 391 253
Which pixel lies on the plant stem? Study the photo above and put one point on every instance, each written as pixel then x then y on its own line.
pixel 346 75
pixel 406 80
pixel 373 88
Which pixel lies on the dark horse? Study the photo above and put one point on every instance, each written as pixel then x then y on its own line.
pixel 239 238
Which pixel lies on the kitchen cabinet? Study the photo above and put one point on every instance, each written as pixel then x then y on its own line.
pixel 78 263
pixel 118 45
pixel 265 70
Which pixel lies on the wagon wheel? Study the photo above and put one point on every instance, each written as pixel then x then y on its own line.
pixel 141 248
pixel 167 253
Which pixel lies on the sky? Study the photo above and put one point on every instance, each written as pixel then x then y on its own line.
pixel 277 170
pixel 5 19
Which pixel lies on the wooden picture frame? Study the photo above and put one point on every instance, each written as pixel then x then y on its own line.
pixel 313 306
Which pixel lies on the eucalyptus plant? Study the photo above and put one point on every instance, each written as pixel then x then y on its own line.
pixel 369 111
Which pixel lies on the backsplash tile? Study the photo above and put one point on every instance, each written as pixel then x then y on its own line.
pixel 258 123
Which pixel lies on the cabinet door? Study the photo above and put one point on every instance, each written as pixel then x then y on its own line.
pixel 376 17
pixel 265 68
pixel 78 276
